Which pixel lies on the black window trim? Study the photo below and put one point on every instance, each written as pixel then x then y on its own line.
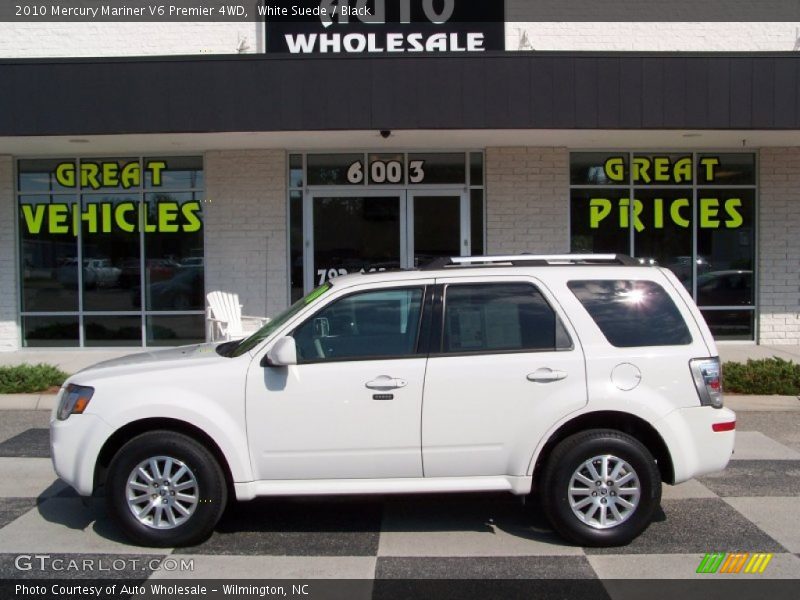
pixel 425 309
pixel 440 308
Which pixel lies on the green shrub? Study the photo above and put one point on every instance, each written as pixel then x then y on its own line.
pixel 766 376
pixel 30 378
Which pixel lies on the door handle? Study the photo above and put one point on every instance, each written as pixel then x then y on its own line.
pixel 384 382
pixel 546 375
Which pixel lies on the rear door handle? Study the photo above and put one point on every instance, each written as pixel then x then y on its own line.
pixel 546 375
pixel 384 382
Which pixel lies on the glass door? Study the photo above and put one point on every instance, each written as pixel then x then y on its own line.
pixel 438 225
pixel 352 232
pixel 374 230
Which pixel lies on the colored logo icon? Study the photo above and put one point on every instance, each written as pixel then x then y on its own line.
pixel 734 562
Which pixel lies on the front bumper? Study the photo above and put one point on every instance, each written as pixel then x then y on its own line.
pixel 74 447
pixel 695 447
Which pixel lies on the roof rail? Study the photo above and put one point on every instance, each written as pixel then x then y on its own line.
pixel 532 260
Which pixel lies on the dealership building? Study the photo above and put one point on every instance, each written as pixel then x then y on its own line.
pixel 143 165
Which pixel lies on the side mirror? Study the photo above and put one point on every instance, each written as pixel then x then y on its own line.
pixel 282 354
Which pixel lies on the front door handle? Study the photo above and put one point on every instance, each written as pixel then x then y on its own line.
pixel 384 382
pixel 546 375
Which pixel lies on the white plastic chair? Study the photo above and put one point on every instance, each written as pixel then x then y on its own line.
pixel 225 319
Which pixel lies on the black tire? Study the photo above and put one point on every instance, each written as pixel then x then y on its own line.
pixel 565 460
pixel 211 488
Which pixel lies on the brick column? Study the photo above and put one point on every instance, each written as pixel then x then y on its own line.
pixel 779 246
pixel 527 192
pixel 9 305
pixel 245 227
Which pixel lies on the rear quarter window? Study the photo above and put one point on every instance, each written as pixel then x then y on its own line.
pixel 632 313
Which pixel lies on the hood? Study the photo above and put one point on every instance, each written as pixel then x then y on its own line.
pixel 158 356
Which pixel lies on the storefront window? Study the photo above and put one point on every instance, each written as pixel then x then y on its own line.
pixel 174 267
pixel 335 169
pixel 107 244
pixel 662 230
pixel 589 209
pixel 691 213
pixel 437 168
pixel 107 251
pixel 49 268
pixel 52 332
pixel 296 178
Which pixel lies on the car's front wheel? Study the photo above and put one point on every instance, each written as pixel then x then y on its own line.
pixel 165 489
pixel 600 488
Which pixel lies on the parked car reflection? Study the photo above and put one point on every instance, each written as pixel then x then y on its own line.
pixel 183 291
pixel 725 288
pixel 158 269
pixel 97 272
pixel 192 261
pixel 682 267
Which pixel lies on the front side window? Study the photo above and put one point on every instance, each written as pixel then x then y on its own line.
pixel 367 325
pixel 277 322
pixel 632 313
pixel 503 317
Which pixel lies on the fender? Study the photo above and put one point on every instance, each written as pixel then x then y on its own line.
pixel 648 406
pixel 225 427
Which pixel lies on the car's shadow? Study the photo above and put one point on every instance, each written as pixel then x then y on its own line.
pixel 330 519
pixel 330 514
pixel 61 505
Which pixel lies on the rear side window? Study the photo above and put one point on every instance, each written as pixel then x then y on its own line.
pixel 633 313
pixel 500 317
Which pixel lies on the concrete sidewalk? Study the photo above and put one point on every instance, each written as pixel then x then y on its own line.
pixel 742 352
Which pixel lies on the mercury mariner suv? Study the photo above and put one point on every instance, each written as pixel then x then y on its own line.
pixel 586 379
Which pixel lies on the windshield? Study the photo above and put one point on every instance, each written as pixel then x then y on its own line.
pixel 259 336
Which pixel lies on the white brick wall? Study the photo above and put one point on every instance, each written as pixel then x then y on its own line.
pixel 9 327
pixel 528 200
pixel 779 264
pixel 245 227
pixel 679 36
pixel 40 39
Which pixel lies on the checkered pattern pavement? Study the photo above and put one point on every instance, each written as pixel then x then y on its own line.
pixel 752 506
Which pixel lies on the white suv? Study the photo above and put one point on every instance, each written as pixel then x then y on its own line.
pixel 587 379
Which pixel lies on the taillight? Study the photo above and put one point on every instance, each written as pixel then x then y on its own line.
pixel 707 374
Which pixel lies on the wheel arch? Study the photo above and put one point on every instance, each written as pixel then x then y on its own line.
pixel 608 419
pixel 130 430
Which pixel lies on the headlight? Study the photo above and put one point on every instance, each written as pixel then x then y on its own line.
pixel 74 400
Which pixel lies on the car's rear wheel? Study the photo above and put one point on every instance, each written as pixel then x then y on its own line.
pixel 600 488
pixel 165 489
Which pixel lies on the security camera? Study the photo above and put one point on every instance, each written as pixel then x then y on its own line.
pixel 385 133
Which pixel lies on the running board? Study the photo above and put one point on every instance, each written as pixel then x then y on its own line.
pixel 405 485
